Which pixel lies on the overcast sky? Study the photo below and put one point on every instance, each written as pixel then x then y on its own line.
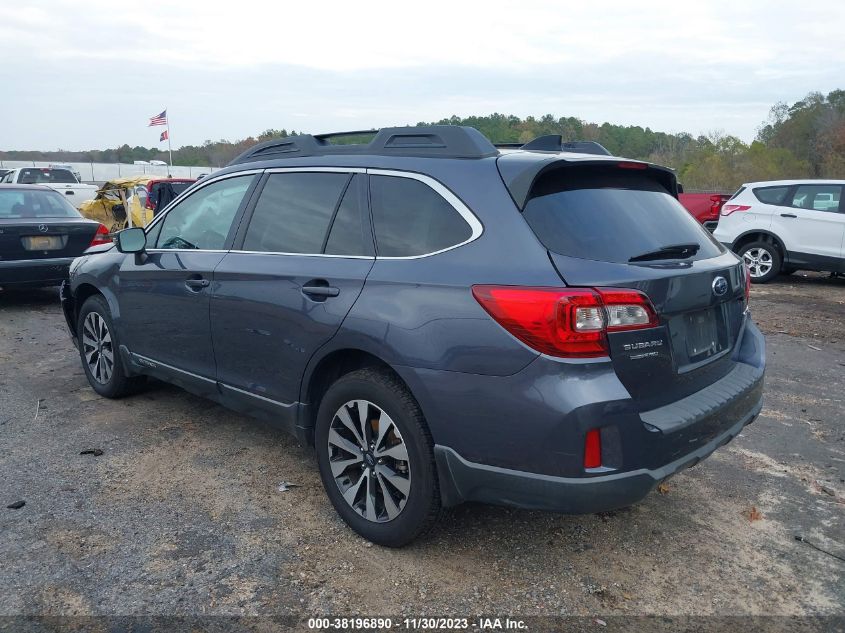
pixel 83 74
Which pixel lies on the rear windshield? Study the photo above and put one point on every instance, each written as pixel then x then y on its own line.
pixel 34 176
pixel 23 203
pixel 611 215
pixel 179 187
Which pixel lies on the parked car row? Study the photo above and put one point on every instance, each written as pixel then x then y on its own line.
pixel 41 231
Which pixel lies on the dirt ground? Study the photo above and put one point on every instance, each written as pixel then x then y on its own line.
pixel 182 513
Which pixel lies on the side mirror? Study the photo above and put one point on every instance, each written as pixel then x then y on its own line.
pixel 132 240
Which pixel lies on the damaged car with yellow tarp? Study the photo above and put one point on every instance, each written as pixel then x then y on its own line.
pixel 120 203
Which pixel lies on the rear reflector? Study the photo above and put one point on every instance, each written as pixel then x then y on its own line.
pixel 592 449
pixel 730 208
pixel 747 272
pixel 566 322
pixel 101 236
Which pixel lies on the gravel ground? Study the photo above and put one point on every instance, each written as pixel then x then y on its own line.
pixel 181 514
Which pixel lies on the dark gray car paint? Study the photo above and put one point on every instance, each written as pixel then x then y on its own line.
pixel 486 396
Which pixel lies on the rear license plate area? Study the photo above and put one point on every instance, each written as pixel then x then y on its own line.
pixel 43 242
pixel 706 333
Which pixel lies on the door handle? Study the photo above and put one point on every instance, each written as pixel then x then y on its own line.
pixel 195 285
pixel 788 215
pixel 319 290
pixel 68 193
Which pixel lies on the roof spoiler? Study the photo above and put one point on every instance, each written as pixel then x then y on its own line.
pixel 441 141
pixel 555 143
pixel 519 173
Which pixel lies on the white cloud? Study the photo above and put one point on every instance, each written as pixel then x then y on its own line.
pixel 667 64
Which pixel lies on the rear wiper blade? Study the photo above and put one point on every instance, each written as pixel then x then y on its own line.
pixel 673 251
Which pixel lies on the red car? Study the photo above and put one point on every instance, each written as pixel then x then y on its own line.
pixel 705 207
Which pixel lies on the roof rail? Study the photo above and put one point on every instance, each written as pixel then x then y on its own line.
pixel 444 141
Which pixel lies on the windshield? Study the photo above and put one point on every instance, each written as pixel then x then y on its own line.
pixel 611 214
pixel 33 176
pixel 26 203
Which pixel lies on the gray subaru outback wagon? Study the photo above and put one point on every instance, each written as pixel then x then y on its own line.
pixel 444 320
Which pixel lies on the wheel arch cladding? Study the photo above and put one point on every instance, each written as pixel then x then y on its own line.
pixel 758 235
pixel 332 366
pixel 84 291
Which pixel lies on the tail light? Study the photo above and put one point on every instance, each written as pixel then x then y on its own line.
pixel 568 322
pixel 632 165
pixel 730 208
pixel 717 201
pixel 101 236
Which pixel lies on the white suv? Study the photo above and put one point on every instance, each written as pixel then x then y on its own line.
pixel 786 225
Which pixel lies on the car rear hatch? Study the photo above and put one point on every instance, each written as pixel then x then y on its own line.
pixel 612 224
pixel 44 238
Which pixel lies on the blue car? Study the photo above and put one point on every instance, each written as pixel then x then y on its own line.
pixel 442 319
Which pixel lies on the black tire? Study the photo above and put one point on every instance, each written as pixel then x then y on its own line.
pixel 116 384
pixel 763 259
pixel 422 505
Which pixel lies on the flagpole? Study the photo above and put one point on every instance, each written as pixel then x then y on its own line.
pixel 169 149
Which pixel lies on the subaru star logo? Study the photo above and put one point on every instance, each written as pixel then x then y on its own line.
pixel 720 286
pixel 42 228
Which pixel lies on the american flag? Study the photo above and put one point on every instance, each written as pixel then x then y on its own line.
pixel 159 119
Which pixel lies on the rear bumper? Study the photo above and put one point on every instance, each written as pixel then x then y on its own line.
pixel 35 272
pixel 653 445
pixel 461 481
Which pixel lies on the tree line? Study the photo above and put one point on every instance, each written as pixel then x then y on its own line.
pixel 804 140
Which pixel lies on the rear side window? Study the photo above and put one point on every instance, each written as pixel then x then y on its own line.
pixel 36 176
pixel 348 234
pixel 817 197
pixel 294 211
pixel 611 215
pixel 410 218
pixel 770 195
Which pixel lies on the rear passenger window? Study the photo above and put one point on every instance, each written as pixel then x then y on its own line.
pixel 348 235
pixel 293 212
pixel 410 218
pixel 770 195
pixel 817 197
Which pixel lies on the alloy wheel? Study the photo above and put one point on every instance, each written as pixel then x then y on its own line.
pixel 97 347
pixel 369 461
pixel 759 261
